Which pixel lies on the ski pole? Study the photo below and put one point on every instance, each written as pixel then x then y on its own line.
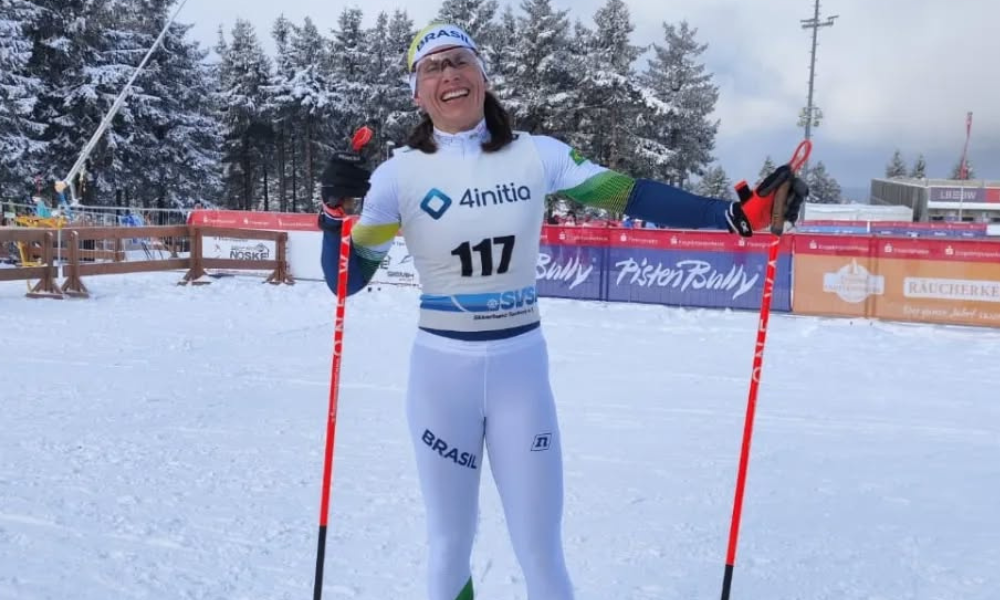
pixel 361 137
pixel 780 189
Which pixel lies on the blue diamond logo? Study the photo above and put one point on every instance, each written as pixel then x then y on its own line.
pixel 435 203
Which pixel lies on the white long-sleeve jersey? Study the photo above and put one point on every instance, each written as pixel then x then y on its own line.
pixel 472 222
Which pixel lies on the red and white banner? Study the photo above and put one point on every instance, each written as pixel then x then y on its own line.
pixel 305 240
pixel 241 219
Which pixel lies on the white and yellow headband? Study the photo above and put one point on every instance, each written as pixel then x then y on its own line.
pixel 431 39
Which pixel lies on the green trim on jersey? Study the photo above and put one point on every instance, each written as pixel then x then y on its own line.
pixel 371 243
pixel 369 259
pixel 466 593
pixel 608 190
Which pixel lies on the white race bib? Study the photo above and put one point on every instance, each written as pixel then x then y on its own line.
pixel 472 223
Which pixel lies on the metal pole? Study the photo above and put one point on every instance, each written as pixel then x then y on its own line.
pixel 963 172
pixel 812 73
pixel 813 24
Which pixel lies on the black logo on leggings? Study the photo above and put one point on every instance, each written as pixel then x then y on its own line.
pixel 462 459
pixel 541 442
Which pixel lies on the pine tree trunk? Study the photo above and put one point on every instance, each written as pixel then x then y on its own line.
pixel 161 203
pixel 309 164
pixel 295 171
pixel 613 145
pixel 282 201
pixel 267 202
pixel 247 175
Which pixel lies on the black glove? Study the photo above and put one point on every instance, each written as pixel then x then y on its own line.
pixel 344 177
pixel 738 221
pixel 796 198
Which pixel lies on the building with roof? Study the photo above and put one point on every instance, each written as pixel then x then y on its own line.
pixel 973 200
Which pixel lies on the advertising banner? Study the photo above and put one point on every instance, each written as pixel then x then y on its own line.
pixel 397 266
pixel 965 194
pixel 242 219
pixel 236 249
pixel 934 281
pixel 304 237
pixel 835 275
pixel 940 282
pixel 707 269
pixel 571 272
pixel 938 229
pixel 572 262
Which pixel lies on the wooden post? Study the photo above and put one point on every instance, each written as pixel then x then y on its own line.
pixel 46 286
pixel 73 286
pixel 281 272
pixel 196 273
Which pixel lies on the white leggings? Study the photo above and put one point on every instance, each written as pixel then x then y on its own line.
pixel 460 394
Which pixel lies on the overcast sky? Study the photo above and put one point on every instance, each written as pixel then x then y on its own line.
pixel 889 74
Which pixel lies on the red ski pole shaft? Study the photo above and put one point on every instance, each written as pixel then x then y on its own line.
pixel 758 364
pixel 361 137
pixel 331 421
pixel 777 225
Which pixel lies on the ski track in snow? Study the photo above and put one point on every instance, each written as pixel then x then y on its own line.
pixel 166 442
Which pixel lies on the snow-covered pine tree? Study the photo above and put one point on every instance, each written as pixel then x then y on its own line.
pixel 538 74
pixel 245 73
pixel 283 110
pixel 609 83
pixel 618 106
pixel 20 135
pixel 896 167
pixel 766 169
pixel 283 33
pixel 476 17
pixel 577 118
pixel 126 166
pixel 504 65
pixel 919 170
pixel 134 163
pixel 391 103
pixel 401 115
pixel 314 99
pixel 79 55
pixel 381 57
pixel 349 62
pixel 166 153
pixel 715 184
pixel 679 80
pixel 186 152
pixel 823 188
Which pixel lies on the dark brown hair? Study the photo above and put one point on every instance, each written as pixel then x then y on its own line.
pixel 498 122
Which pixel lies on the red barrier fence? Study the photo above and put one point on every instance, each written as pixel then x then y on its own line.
pixel 948 281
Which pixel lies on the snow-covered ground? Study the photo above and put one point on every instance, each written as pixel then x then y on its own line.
pixel 165 442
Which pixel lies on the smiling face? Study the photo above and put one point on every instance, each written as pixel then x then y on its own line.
pixel 451 88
